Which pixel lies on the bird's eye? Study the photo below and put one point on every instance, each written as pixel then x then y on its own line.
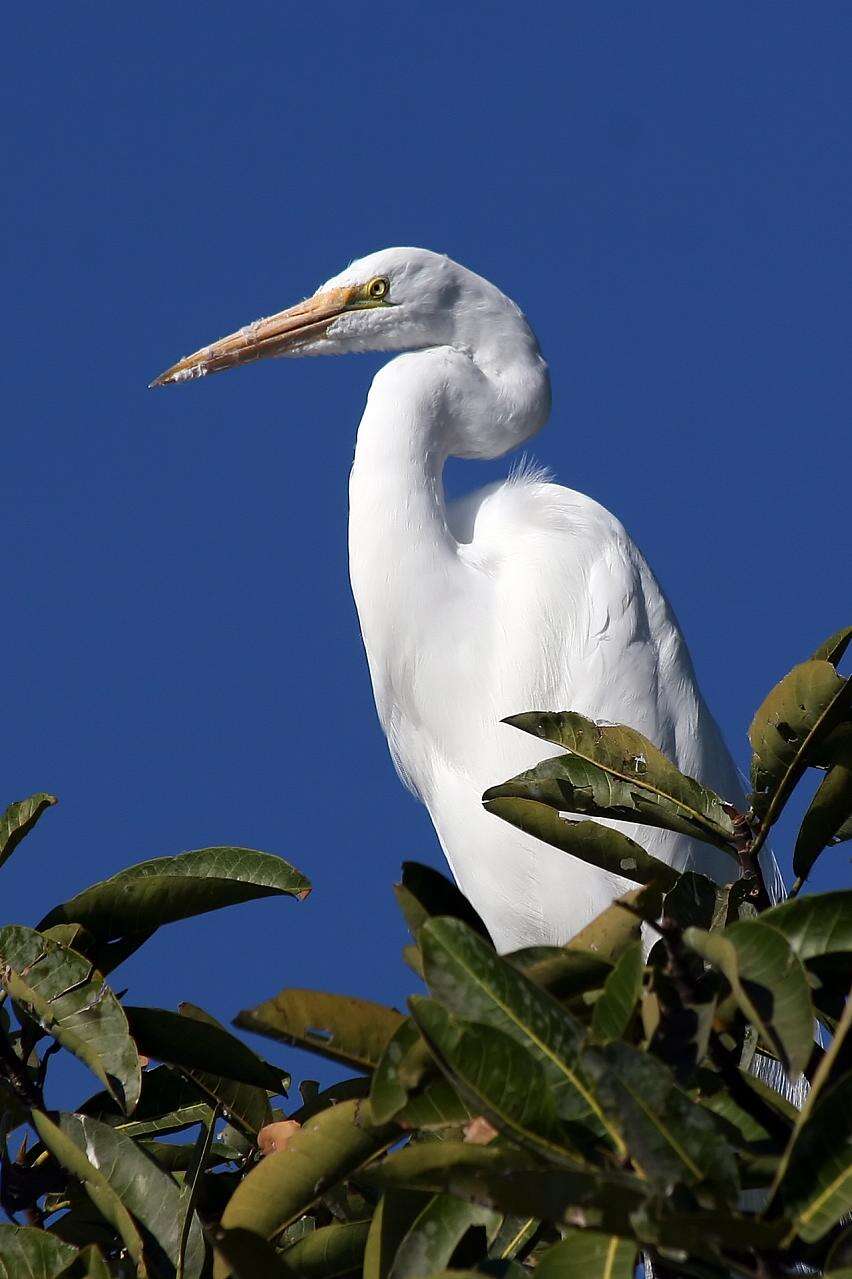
pixel 378 287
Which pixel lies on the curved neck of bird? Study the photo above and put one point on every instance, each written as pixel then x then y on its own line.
pixel 456 400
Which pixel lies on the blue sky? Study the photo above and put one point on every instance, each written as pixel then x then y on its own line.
pixel 664 188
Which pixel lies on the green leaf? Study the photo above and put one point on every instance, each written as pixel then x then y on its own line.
pixel 695 900
pixel 88 1264
pixel 586 1253
pixel 425 892
pixel 201 1046
pixel 817 1188
pixel 786 731
pixel 328 1252
pixel 496 1076
pixel 332 1145
pixel 438 1106
pixel 561 970
pixel 244 1255
pixel 19 819
pixel 613 1010
pixel 617 927
pixel 388 1091
pixel 600 846
pixel 832 649
pixel 165 889
pixel 472 980
pixel 511 1181
pixel 668 1136
pixel 768 982
pixel 149 1193
pixel 168 1103
pixel 28 1253
pixel 65 1150
pixel 434 1235
pixel 613 771
pixel 514 1237
pixel 340 1027
pixel 818 925
pixel 824 822
pixel 71 1001
pixel 395 1212
pixel 246 1105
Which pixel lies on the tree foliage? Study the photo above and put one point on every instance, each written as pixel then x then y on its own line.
pixel 564 1109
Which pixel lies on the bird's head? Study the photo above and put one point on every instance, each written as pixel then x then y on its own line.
pixel 399 299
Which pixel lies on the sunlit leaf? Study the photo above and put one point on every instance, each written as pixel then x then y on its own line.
pixel 165 889
pixel 617 927
pixel 768 981
pixel 614 771
pixel 388 1092
pixel 332 1145
pixel 814 926
pixel 72 1002
pixel 28 1253
pixel 433 1236
pixel 590 1255
pixel 328 1252
pixel 591 842
pixel 832 649
pixel 785 733
pixel 145 1189
pixel 340 1027
pixel 612 1012
pixel 19 819
pixel 65 1150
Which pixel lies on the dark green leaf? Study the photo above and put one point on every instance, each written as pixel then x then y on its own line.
pixel 832 649
pixel 395 1212
pixel 466 974
pixel 143 1188
pixel 181 1041
pixel 168 1103
pixel 332 1145
pixel 426 892
pixel 19 819
pixel 613 1010
pixel 89 1263
pixel 562 970
pixel 590 1255
pixel 786 731
pixel 340 1027
pixel 388 1093
pixel 610 933
pixel 817 1188
pixel 72 1002
pixel 246 1105
pixel 28 1253
pixel 693 900
pixel 670 1137
pixel 514 1236
pixel 601 846
pixel 613 771
pixel 65 1150
pixel 431 1240
pixel 436 1107
pixel 814 926
pixel 328 1252
pixel 244 1255
pixel 824 822
pixel 496 1076
pixel 165 889
pixel 768 982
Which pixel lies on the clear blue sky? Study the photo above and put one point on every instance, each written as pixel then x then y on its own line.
pixel 667 191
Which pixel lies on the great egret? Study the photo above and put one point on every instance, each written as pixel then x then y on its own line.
pixel 523 596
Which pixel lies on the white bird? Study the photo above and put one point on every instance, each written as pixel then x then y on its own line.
pixel 522 596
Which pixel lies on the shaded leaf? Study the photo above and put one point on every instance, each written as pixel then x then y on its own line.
pixel 145 1189
pixel 435 1107
pixel 814 926
pixel 613 771
pixel 388 1092
pixel 621 992
pixel 824 822
pixel 244 1255
pixel 590 1255
pixel 601 846
pixel 432 1238
pixel 618 926
pixel 181 1041
pixel 89 1263
pixel 340 1027
pixel 472 980
pixel 101 1193
pixel 695 900
pixel 395 1212
pixel 165 889
pixel 514 1237
pixel 425 892
pixel 768 982
pixel 71 1001
pixel 817 1188
pixel 328 1252
pixel 794 718
pixel 168 1103
pixel 28 1253
pixel 332 1145
pixel 246 1105
pixel 669 1136
pixel 19 819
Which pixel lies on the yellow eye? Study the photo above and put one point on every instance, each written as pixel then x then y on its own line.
pixel 378 287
